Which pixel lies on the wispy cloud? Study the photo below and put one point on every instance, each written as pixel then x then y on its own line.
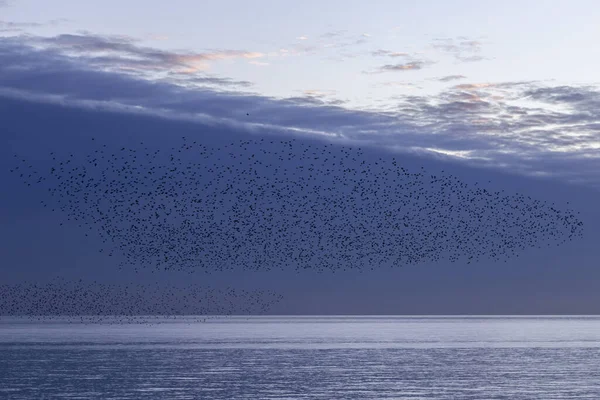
pixel 125 53
pixel 332 34
pixel 449 78
pixel 17 27
pixel 473 86
pixel 6 26
pixel 157 37
pixel 462 48
pixel 297 49
pixel 388 53
pixel 342 40
pixel 334 45
pixel 325 97
pixel 259 63
pixel 317 92
pixel 399 84
pixel 409 66
pixel 413 61
pixel 206 80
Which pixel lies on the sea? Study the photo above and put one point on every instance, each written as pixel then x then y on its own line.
pixel 303 357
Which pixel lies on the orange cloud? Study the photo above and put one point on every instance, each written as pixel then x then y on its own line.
pixel 195 62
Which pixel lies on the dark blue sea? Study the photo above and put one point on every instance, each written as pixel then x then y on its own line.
pixel 303 358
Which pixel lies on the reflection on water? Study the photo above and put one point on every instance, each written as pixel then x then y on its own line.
pixel 304 357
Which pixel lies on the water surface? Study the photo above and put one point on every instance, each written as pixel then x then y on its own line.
pixel 304 357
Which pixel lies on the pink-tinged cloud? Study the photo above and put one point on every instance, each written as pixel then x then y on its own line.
pixel 199 61
pixel 124 52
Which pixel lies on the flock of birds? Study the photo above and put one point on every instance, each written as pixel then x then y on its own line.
pixel 95 302
pixel 285 204
pixel 317 207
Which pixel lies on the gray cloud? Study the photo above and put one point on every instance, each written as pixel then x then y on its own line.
pixel 462 48
pixel 332 34
pixel 412 64
pixel 186 80
pixel 525 127
pixel 583 98
pixel 409 66
pixel 340 45
pixel 125 53
pixel 323 97
pixel 388 53
pixel 449 78
pixel 16 27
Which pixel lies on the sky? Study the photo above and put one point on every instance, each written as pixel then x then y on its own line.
pixel 502 91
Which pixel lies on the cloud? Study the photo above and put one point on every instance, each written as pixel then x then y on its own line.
pixel 16 27
pixel 409 66
pixel 388 53
pixel 462 48
pixel 125 53
pixel 258 63
pixel 583 97
pixel 334 45
pixel 342 41
pixel 400 84
pixel 525 127
pixel 324 97
pixel 449 78
pixel 295 50
pixel 186 80
pixel 315 92
pixel 473 86
pixel 6 26
pixel 332 34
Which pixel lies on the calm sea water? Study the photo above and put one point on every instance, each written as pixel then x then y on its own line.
pixel 304 357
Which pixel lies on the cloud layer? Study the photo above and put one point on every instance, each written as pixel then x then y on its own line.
pixel 526 127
